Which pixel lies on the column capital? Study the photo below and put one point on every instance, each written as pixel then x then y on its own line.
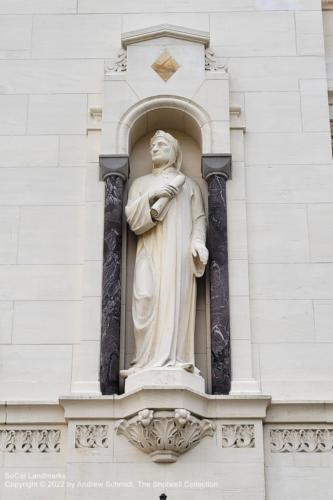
pixel 216 164
pixel 113 165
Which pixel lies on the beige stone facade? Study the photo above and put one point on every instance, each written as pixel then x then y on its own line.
pixel 76 82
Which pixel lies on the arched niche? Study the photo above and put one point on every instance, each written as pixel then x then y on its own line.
pixel 188 132
pixel 164 112
pixel 195 104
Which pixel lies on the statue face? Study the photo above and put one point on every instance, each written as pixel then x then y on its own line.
pixel 161 151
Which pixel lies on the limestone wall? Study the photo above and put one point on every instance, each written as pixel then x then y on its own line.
pixel 280 212
pixel 52 60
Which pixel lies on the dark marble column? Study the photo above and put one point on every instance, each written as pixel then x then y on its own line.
pixel 114 172
pixel 216 170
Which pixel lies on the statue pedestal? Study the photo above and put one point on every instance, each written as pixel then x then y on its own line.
pixel 165 377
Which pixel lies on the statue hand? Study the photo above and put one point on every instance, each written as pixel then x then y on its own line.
pixel 167 191
pixel 199 250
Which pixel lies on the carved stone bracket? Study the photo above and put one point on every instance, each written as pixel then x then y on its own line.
pixel 167 435
pixel 238 436
pixel 216 170
pixel 211 63
pixel 117 65
pixel 30 441
pixel 313 440
pixel 91 436
pixel 114 172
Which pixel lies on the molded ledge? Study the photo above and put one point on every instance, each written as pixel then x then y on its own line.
pixel 2 412
pixel 31 412
pixel 202 405
pixel 163 30
pixel 300 411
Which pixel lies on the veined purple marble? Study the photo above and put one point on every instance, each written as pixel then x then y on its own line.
pixel 111 301
pixel 216 171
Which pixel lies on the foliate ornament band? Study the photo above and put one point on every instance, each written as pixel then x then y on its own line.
pixel 30 441
pixel 238 436
pixel 165 437
pixel 313 440
pixel 91 436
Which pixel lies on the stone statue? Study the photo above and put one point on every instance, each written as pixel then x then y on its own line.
pixel 165 210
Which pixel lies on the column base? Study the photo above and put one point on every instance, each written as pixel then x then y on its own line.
pixel 244 386
pixel 165 377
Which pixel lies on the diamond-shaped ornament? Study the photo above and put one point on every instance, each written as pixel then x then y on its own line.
pixel 165 65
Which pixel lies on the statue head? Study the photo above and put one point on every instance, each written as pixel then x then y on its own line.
pixel 165 150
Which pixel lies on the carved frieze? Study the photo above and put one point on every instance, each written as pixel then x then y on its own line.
pixel 238 436
pixel 314 440
pixel 165 437
pixel 30 440
pixel 91 436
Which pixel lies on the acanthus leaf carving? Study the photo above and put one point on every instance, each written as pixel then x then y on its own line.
pixel 91 436
pixel 238 436
pixel 308 440
pixel 165 437
pixel 30 441
pixel 118 64
pixel 211 63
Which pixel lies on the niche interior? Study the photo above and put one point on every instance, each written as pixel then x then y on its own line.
pixel 188 132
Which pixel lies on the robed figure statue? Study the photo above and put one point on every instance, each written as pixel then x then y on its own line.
pixel 165 210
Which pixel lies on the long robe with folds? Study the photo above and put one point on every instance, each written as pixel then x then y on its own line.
pixel 164 286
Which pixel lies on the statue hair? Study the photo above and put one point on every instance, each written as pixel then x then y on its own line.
pixel 174 144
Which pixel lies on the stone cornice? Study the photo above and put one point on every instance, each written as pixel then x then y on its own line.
pixel 300 412
pixel 202 405
pixel 165 30
pixel 91 407
pixel 31 412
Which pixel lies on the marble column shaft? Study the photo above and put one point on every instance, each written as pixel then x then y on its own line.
pixel 216 170
pixel 114 172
